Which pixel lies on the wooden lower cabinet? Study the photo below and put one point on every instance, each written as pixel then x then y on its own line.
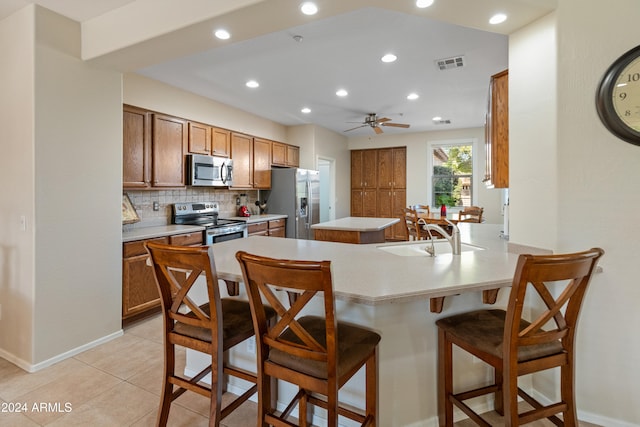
pixel 139 290
pixel 272 228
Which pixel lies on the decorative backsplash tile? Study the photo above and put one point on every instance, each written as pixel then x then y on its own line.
pixel 143 203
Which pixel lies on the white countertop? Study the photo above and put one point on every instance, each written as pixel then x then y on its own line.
pixel 366 274
pixel 144 233
pixel 258 218
pixel 351 223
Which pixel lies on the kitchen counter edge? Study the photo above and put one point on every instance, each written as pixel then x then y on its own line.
pixel 144 233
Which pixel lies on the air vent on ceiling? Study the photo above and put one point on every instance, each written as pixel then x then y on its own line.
pixel 450 63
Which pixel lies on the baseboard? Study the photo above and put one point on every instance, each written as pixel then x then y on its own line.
pixel 586 415
pixel 29 367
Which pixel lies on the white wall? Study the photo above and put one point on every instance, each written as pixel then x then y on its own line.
pixel 417 144
pixel 17 251
pixel 596 178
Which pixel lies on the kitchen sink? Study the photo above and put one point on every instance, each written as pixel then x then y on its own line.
pixel 418 248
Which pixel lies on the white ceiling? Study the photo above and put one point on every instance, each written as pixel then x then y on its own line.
pixel 339 51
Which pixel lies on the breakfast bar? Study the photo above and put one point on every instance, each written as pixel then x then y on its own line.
pixel 387 287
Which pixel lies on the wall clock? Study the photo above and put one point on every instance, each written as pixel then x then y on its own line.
pixel 618 97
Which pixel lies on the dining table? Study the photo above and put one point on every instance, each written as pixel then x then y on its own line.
pixel 436 218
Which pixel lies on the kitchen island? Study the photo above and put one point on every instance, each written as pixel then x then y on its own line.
pixel 390 294
pixel 353 230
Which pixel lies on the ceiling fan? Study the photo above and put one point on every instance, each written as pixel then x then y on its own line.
pixel 374 122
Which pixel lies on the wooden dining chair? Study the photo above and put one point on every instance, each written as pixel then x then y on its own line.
pixel 212 328
pixel 317 353
pixel 412 228
pixel 471 214
pixel 515 346
pixel 423 208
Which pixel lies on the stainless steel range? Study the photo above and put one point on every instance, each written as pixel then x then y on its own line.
pixel 206 215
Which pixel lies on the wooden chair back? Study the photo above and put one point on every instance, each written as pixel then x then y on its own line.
pixel 471 214
pixel 539 276
pixel 425 208
pixel 306 278
pixel 412 228
pixel 176 269
pixel 305 349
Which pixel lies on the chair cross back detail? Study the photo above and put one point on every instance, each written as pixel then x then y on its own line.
pixel 514 346
pixel 306 279
pixel 315 352
pixel 212 327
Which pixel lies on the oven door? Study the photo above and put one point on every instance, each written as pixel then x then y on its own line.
pixel 216 235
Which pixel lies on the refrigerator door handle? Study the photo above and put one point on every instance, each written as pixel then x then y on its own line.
pixel 309 210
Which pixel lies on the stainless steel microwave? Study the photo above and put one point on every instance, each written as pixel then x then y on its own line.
pixel 209 171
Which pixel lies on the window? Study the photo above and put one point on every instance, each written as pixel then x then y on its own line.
pixel 452 174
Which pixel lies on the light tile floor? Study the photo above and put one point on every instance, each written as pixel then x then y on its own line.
pixel 115 384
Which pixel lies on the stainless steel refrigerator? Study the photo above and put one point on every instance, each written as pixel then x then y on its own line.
pixel 296 193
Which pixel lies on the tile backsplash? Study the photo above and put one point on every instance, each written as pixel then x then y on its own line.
pixel 143 203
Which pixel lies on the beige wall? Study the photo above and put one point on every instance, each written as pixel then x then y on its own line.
pixel 589 196
pixel 17 250
pixel 61 277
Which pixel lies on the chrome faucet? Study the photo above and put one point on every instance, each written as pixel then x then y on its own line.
pixel 453 239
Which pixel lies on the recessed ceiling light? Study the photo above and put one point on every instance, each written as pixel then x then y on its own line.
pixel 252 84
pixel 309 8
pixel 424 3
pixel 342 92
pixel 413 96
pixel 437 118
pixel 498 18
pixel 222 34
pixel 389 57
pixel 306 110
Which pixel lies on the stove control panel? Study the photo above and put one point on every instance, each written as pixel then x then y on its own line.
pixel 196 208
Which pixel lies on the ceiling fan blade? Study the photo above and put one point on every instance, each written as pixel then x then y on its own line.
pixel 397 125
pixel 382 120
pixel 357 127
pixel 377 129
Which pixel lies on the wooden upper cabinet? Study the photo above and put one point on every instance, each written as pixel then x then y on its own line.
pixel 242 155
pixel 199 138
pixel 497 132
pixel 356 170
pixel 220 142
pixel 284 154
pixel 278 154
pixel 261 163
pixel 293 156
pixel 170 136
pixel 136 147
pixel 370 168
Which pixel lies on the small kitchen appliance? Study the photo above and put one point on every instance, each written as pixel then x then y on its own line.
pixel 206 215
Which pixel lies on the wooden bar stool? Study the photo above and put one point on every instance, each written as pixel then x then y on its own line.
pixel 318 354
pixel 514 346
pixel 212 328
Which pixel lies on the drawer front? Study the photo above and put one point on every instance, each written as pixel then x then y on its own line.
pixel 277 232
pixel 277 223
pixel 257 227
pixel 188 239
pixel 130 249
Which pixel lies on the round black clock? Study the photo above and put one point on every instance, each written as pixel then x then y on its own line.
pixel 618 97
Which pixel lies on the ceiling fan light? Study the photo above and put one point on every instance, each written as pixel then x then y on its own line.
pixel 309 8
